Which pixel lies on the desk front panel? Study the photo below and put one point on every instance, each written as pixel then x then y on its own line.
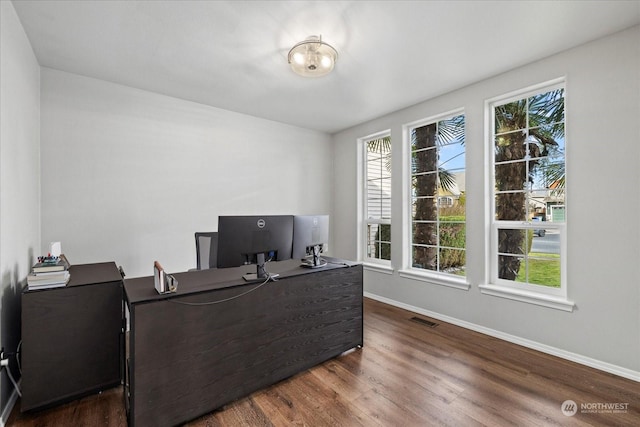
pixel 195 353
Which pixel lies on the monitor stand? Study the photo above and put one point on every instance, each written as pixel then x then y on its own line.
pixel 314 261
pixel 261 272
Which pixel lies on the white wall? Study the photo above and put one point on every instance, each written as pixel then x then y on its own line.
pixel 130 175
pixel 603 207
pixel 19 180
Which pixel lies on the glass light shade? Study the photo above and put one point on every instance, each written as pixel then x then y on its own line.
pixel 312 57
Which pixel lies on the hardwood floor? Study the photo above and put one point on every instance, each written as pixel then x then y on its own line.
pixel 407 374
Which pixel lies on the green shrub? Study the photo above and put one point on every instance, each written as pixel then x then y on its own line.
pixel 452 235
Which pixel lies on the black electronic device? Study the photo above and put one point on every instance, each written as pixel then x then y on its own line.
pixel 244 240
pixel 310 239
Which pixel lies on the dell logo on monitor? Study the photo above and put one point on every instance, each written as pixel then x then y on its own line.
pixel 261 223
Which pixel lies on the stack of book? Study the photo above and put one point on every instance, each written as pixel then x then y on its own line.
pixel 49 272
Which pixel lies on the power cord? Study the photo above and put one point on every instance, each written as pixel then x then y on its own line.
pixel 18 358
pixel 335 263
pixel 5 364
pixel 269 278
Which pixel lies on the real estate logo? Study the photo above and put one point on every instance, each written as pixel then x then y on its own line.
pixel 569 408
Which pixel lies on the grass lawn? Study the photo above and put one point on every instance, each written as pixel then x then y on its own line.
pixel 544 269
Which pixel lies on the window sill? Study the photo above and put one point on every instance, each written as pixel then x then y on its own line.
pixel 378 268
pixel 550 301
pixel 451 282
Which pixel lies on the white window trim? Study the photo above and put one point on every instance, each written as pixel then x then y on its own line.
pixel 377 267
pixel 367 259
pixel 408 271
pixel 435 278
pixel 556 298
pixel 533 294
pixel 540 289
pixel 375 264
pixel 559 303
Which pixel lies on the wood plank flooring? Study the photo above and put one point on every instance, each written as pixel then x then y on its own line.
pixel 407 374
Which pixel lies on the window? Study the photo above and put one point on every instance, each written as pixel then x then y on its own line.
pixel 377 203
pixel 528 193
pixel 437 196
pixel 445 201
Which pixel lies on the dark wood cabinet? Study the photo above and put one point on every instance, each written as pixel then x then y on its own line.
pixel 219 338
pixel 72 337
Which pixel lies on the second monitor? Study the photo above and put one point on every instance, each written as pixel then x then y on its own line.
pixel 310 237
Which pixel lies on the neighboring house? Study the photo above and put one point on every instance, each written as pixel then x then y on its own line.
pixel 451 196
pixel 549 203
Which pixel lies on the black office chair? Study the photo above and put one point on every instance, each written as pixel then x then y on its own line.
pixel 206 250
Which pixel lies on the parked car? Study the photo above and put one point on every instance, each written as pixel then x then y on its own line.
pixel 541 232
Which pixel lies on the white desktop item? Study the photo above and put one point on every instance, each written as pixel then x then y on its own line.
pixel 163 282
pixel 55 248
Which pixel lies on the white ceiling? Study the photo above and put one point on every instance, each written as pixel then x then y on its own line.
pixel 233 54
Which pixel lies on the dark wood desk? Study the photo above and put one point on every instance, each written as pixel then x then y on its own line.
pixel 72 337
pixel 219 338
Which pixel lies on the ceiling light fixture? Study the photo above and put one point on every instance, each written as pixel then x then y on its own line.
pixel 312 57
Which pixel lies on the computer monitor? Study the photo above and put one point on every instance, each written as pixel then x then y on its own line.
pixel 244 240
pixel 310 238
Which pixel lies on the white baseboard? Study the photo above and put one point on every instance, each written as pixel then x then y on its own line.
pixel 574 357
pixel 6 411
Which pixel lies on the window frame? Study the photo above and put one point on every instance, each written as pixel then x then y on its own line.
pixel 408 271
pixel 364 221
pixel 526 292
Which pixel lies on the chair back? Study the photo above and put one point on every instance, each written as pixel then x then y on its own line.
pixel 206 250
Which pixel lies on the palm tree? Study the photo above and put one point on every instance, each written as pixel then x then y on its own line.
pixel 426 209
pixel 424 158
pixel 526 141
